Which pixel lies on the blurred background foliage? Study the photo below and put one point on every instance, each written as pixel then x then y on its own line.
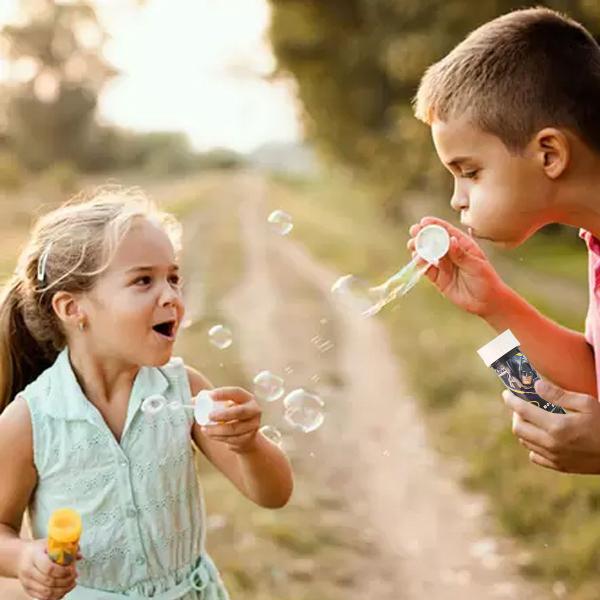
pixel 48 104
pixel 358 63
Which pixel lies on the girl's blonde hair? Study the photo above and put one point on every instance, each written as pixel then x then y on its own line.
pixel 69 248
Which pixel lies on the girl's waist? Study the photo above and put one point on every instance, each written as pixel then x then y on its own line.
pixel 201 577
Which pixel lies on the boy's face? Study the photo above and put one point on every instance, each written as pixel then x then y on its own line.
pixel 139 291
pixel 501 196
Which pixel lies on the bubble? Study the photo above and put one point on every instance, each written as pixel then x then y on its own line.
pixel 288 370
pixel 174 405
pixel 315 378
pixel 187 324
pixel 354 294
pixel 304 410
pixel 323 321
pixel 220 336
pixel 268 386
pixel 280 222
pixel 153 405
pixel 272 434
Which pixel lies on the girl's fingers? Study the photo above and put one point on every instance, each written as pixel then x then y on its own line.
pixel 232 429
pixel 49 569
pixel 235 439
pixel 235 394
pixel 239 412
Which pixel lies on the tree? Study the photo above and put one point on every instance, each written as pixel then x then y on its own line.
pixel 57 71
pixel 358 64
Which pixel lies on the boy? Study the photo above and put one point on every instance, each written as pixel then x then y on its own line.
pixel 514 112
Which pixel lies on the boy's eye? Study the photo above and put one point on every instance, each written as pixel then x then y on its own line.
pixel 145 280
pixel 470 174
pixel 175 279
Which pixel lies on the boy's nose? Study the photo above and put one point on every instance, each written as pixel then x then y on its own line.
pixel 459 201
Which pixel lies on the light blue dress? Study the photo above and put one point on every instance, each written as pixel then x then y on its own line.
pixel 140 500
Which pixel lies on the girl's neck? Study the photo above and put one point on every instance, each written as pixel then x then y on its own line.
pixel 102 380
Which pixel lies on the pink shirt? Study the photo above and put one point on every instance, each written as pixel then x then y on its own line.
pixel 592 321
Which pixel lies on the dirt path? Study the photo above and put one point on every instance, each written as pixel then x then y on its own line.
pixel 430 539
pixel 434 539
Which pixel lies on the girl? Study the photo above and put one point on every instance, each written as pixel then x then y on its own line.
pixel 87 327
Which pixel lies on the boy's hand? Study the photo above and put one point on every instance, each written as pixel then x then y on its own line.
pixel 568 443
pixel 238 424
pixel 464 275
pixel 40 577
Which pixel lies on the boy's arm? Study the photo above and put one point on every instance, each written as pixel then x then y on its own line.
pixel 560 354
pixel 466 278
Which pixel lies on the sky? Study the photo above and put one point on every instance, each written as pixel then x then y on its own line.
pixel 196 66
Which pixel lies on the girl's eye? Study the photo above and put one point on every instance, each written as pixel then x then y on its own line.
pixel 470 174
pixel 175 279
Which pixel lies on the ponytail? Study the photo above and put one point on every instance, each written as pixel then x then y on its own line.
pixel 22 359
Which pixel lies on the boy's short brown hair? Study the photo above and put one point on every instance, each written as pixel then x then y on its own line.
pixel 512 76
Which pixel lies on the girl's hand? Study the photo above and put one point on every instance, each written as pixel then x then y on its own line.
pixel 464 275
pixel 237 425
pixel 40 577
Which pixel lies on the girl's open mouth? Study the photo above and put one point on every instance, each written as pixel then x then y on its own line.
pixel 166 329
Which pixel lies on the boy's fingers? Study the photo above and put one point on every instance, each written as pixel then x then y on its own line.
pixel 530 412
pixel 548 391
pixel 569 400
pixel 432 273
pixel 530 433
pixel 459 254
pixel 538 459
pixel 414 229
pixel 537 449
pixel 468 241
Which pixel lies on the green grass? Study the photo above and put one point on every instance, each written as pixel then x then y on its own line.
pixel 555 516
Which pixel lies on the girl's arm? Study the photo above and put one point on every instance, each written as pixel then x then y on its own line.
pixel 262 473
pixel 18 479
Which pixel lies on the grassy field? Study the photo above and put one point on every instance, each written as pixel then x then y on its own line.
pixel 283 554
pixel 305 550
pixel 555 516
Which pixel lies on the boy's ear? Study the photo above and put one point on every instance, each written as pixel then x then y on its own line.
pixel 553 151
pixel 67 308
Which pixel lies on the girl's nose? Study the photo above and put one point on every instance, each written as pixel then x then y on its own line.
pixel 169 295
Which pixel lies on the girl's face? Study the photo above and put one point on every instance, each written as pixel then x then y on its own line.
pixel 134 310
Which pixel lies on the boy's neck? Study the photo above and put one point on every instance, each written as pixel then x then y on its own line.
pixel 579 204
